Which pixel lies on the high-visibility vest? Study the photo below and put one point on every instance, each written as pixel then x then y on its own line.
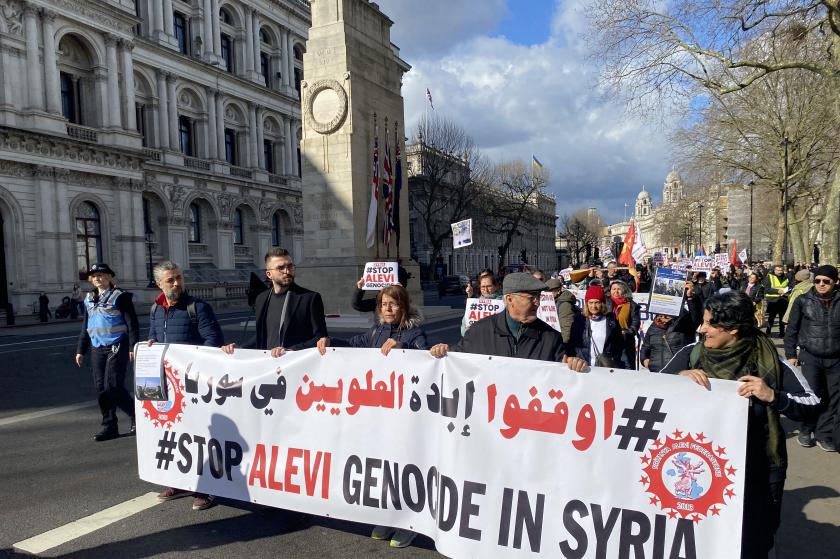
pixel 105 324
pixel 775 287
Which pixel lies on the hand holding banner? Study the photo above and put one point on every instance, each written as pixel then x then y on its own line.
pixel 379 274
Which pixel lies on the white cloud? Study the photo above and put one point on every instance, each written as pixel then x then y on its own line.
pixel 517 100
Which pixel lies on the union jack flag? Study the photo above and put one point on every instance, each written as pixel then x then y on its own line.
pixel 387 192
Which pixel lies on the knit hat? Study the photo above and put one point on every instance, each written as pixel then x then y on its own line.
pixel 595 292
pixel 802 275
pixel 826 270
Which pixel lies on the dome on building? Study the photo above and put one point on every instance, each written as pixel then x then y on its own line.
pixel 643 195
pixel 673 176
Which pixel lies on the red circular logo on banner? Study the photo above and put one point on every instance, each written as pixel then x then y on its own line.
pixel 688 476
pixel 167 413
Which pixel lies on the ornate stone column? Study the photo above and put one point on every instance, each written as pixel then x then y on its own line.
pixel 208 29
pixel 249 40
pixel 220 126
pixel 35 99
pixel 290 164
pixel 157 18
pixel 163 110
pixel 212 123
pixel 217 29
pixel 168 22
pixel 114 117
pixel 260 137
pixel 173 112
pixel 50 65
pixel 128 85
pixel 288 59
pixel 255 41
pixel 253 160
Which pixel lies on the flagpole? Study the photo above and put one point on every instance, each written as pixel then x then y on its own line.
pixel 375 171
pixel 396 201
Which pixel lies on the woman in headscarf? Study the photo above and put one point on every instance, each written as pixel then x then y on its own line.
pixel 596 335
pixel 628 315
pixel 398 327
pixel 733 348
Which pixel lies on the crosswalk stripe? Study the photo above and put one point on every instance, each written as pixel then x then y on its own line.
pixel 86 525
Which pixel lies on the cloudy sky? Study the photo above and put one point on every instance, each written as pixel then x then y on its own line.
pixel 514 73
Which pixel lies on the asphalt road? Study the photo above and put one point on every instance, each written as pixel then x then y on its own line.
pixel 53 474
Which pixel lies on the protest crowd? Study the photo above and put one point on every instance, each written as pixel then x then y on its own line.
pixel 720 325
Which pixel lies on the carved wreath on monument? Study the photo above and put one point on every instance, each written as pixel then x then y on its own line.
pixel 326 105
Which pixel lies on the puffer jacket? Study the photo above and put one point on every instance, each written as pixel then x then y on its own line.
pixel 175 326
pixel 661 344
pixel 566 311
pixel 410 336
pixel 814 327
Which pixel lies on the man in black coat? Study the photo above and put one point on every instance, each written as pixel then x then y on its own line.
pixel 814 328
pixel 289 317
pixel 516 331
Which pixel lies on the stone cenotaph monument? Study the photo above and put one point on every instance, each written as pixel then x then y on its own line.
pixel 351 92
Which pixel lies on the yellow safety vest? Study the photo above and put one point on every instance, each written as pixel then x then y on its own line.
pixel 775 286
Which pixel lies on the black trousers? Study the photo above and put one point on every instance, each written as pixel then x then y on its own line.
pixel 762 516
pixel 823 374
pixel 776 307
pixel 109 366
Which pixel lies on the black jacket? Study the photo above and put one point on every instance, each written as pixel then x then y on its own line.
pixel 660 345
pixel 635 316
pixel 409 337
pixel 360 304
pixel 175 325
pixel 813 326
pixel 305 322
pixel 491 336
pixel 757 294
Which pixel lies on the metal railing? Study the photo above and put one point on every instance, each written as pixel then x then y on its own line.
pixel 276 179
pixel 196 163
pixel 153 154
pixel 82 133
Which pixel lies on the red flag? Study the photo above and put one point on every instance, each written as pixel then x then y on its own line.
pixel 733 254
pixel 626 256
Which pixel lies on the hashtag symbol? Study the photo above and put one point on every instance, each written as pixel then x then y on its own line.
pixel 472 306
pixel 165 447
pixel 638 414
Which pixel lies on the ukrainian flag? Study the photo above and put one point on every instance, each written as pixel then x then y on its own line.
pixel 536 163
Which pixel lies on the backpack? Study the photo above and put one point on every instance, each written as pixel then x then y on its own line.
pixel 190 311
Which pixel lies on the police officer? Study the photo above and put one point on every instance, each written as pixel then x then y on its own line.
pixel 110 332
pixel 775 289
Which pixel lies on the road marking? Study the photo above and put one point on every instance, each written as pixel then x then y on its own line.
pixel 44 413
pixel 86 525
pixel 41 340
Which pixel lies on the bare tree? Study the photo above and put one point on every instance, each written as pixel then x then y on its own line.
pixel 514 190
pixel 661 49
pixel 581 231
pixel 445 183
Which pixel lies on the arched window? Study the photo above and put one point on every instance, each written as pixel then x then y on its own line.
pixel 237 227
pixel 88 236
pixel 225 16
pixel 185 135
pixel 226 40
pixel 275 229
pixel 195 224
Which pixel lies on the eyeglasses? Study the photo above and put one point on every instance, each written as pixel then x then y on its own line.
pixel 531 297
pixel 823 281
pixel 287 267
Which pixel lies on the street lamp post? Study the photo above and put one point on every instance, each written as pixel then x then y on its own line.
pixel 149 239
pixel 700 207
pixel 785 143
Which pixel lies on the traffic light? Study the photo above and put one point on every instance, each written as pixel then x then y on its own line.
pixel 523 256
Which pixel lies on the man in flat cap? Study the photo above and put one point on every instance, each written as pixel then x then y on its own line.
pixel 516 331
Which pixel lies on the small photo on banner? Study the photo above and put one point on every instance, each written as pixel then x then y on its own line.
pixel 462 233
pixel 668 291
pixel 378 275
pixel 149 374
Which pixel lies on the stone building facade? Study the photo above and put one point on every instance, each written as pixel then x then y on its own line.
pixel 536 236
pixel 133 131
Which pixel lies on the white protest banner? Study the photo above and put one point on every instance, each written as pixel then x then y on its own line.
pixel 742 256
pixel 379 274
pixel 703 264
pixel 667 294
pixel 462 233
pixel 547 311
pixel 477 309
pixel 722 260
pixel 485 462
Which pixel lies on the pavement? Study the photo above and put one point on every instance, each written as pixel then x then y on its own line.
pixel 64 495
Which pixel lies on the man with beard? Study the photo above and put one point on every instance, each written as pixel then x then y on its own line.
pixel 289 317
pixel 177 317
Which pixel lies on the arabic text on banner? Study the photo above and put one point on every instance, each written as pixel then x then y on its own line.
pixel 462 233
pixel 379 274
pixel 476 309
pixel 489 456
